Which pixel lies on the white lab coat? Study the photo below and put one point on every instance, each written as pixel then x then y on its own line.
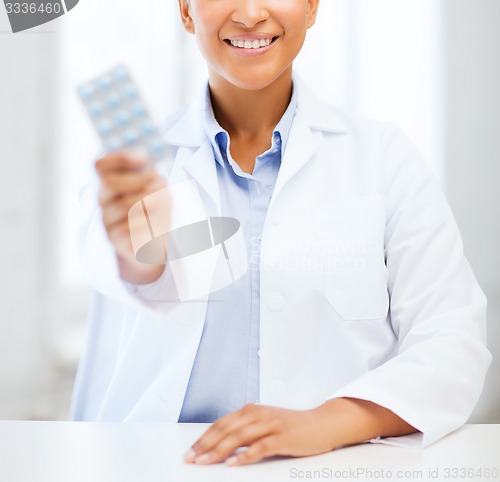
pixel 365 291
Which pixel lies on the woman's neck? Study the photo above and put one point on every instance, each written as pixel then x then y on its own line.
pixel 248 114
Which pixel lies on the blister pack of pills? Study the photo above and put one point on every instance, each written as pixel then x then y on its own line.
pixel 119 114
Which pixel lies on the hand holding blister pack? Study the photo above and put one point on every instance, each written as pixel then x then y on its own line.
pixel 119 114
pixel 204 253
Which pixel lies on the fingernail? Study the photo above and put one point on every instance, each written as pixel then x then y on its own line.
pixel 190 455
pixel 233 460
pixel 202 459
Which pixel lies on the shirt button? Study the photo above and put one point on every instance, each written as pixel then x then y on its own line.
pixel 276 301
pixel 276 387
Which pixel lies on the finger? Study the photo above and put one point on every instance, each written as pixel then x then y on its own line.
pixel 118 211
pixel 157 183
pixel 224 425
pixel 244 436
pixel 131 189
pixel 119 237
pixel 258 450
pixel 113 215
pixel 116 185
pixel 121 161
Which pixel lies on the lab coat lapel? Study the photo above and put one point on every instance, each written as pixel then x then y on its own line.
pixel 312 120
pixel 201 167
pixel 195 158
pixel 301 146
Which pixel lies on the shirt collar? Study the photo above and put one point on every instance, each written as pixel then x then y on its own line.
pixel 186 127
pixel 214 130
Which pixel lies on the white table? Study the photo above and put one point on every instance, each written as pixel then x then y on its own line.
pixel 92 452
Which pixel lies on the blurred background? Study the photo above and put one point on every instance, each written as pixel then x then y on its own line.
pixel 430 66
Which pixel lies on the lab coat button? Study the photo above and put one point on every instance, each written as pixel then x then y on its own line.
pixel 276 302
pixel 275 220
pixel 276 387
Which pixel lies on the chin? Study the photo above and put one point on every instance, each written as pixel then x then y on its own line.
pixel 255 80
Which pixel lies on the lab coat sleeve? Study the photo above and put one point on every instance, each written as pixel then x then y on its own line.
pixel 437 309
pixel 100 264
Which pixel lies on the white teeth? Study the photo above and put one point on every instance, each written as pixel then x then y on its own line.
pixel 251 44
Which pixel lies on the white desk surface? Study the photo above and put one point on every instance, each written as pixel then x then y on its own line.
pixel 94 452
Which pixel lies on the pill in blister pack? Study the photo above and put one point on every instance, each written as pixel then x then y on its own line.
pixel 119 115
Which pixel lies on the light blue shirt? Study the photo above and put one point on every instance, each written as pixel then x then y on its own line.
pixel 225 373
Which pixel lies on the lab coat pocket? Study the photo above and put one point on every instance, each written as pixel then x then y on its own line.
pixel 351 240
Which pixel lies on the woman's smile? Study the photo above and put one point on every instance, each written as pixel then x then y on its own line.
pixel 251 44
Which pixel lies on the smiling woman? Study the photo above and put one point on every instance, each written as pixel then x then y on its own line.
pixel 291 358
pixel 405 62
pixel 249 78
pixel 215 24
